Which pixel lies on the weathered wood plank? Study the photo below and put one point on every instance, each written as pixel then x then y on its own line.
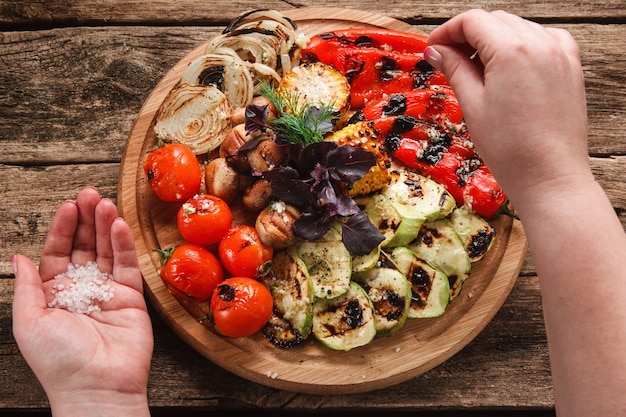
pixel 88 84
pixel 184 378
pixel 31 195
pixel 186 12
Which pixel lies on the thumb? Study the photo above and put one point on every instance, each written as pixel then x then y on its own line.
pixel 465 72
pixel 28 295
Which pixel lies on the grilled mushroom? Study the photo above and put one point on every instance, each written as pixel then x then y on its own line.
pixel 275 224
pixel 222 180
pixel 265 156
pixel 257 195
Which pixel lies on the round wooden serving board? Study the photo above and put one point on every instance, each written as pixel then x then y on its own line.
pixel 310 368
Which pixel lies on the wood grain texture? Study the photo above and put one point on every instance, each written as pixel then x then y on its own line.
pixel 17 12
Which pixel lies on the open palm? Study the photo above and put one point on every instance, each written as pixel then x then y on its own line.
pixel 77 355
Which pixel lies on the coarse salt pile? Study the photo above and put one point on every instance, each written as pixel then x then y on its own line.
pixel 88 285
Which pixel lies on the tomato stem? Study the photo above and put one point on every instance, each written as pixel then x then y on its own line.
pixel 166 254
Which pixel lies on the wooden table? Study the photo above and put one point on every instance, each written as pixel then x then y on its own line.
pixel 73 76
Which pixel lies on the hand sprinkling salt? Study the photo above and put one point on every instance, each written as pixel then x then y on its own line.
pixel 88 285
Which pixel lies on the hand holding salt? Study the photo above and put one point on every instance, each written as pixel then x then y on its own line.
pixel 80 320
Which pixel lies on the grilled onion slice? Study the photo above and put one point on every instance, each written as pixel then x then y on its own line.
pixel 227 72
pixel 195 115
pixel 250 47
pixel 260 14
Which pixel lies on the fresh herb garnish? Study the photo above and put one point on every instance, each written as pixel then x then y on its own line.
pixel 297 121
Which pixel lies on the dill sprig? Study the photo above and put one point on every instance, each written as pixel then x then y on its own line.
pixel 298 121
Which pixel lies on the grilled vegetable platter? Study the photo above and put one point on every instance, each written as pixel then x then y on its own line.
pixel 315 171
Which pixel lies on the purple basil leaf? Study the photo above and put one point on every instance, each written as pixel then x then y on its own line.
pixel 312 226
pixel 327 197
pixel 256 118
pixel 288 187
pixel 314 154
pixel 346 206
pixel 250 145
pixel 319 174
pixel 359 235
pixel 281 172
pixel 349 164
pixel 292 150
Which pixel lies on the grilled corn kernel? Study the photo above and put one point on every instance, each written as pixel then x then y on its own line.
pixel 364 135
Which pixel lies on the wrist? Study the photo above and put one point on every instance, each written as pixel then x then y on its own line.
pixel 555 192
pixel 557 200
pixel 100 404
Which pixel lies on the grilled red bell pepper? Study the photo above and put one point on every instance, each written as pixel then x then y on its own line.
pixel 377 62
pixel 434 106
pixel 377 38
pixel 415 129
pixel 463 174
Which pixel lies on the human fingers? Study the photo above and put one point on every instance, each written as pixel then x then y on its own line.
pixel 59 242
pixel 125 262
pixel 105 214
pixel 84 245
pixel 478 30
pixel 567 43
pixel 28 297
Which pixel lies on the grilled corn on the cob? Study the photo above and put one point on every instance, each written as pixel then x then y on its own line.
pixel 364 135
pixel 318 85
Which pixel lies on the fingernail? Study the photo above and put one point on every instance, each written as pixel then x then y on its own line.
pixel 14 264
pixel 433 57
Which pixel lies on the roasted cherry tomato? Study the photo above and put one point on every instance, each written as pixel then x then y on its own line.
pixel 173 172
pixel 242 252
pixel 204 219
pixel 240 306
pixel 192 271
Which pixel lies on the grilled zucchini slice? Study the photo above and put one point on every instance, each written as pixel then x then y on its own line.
pixel 365 262
pixel 291 288
pixel 440 245
pixel 396 229
pixel 345 322
pixel 477 234
pixel 430 288
pixel 329 264
pixel 390 293
pixel 414 195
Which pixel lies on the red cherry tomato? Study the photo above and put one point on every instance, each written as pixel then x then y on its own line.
pixel 242 252
pixel 192 271
pixel 240 306
pixel 173 172
pixel 204 219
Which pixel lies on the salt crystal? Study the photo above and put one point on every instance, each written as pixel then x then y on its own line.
pixel 88 286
